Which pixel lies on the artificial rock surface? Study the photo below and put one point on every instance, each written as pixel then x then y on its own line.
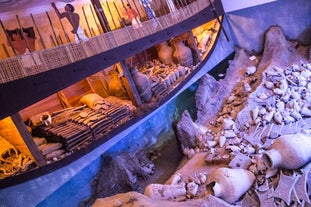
pixel 238 118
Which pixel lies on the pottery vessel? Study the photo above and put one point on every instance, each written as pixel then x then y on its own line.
pixel 115 86
pixel 46 119
pixel 165 192
pixel 289 151
pixel 143 84
pixel 165 53
pixel 182 54
pixel 230 184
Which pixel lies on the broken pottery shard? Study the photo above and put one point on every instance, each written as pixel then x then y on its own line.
pixel 265 199
pixel 165 192
pixel 249 201
pixel 240 161
pixel 285 187
pixel 219 156
pixel 253 135
pixel 263 187
pixel 192 189
pixel 301 187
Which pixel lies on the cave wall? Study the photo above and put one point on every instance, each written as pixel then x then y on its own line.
pixel 247 26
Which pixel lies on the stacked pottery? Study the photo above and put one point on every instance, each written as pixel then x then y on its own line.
pixel 289 152
pixel 182 54
pixel 230 184
pixel 143 84
pixel 165 53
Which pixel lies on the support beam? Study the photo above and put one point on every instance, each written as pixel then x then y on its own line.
pixel 33 148
pixel 129 84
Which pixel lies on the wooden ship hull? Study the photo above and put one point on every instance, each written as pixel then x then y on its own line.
pixel 23 92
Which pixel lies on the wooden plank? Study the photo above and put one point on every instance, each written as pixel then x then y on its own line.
pixel 130 85
pixel 49 104
pixel 33 148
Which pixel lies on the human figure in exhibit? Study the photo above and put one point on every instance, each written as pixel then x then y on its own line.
pixel 74 20
pixel 133 16
pixel 22 43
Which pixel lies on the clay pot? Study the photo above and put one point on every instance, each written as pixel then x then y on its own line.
pixel 165 192
pixel 143 84
pixel 165 53
pixel 46 119
pixel 230 184
pixel 289 152
pixel 182 54
pixel 115 86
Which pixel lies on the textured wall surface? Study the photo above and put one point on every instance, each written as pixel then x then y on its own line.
pixel 232 5
pixel 249 25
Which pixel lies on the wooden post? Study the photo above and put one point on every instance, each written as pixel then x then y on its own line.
pixel 38 31
pixel 217 17
pixel 5 51
pixel 9 39
pixel 193 45
pixel 101 15
pixel 99 29
pixel 33 148
pixel 87 22
pixel 129 84
pixel 51 24
pixel 114 23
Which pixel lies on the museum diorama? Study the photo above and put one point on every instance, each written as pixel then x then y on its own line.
pixel 155 103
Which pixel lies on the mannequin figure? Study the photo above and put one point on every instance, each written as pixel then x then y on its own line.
pixel 133 16
pixel 73 19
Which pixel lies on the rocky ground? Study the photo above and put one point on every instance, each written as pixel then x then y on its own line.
pixel 249 143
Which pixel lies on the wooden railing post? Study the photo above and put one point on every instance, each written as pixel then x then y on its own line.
pixel 33 148
pixel 129 84
pixel 101 15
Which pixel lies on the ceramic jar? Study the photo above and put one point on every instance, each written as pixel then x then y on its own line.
pixel 182 54
pixel 115 86
pixel 165 53
pixel 142 83
pixel 46 119
pixel 230 184
pixel 289 151
pixel 165 192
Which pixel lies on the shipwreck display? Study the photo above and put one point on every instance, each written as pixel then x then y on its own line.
pixel 250 142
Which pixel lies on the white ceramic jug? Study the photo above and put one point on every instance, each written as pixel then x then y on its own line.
pixel 289 151
pixel 230 184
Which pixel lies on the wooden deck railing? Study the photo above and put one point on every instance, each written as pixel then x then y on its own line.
pixel 21 66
